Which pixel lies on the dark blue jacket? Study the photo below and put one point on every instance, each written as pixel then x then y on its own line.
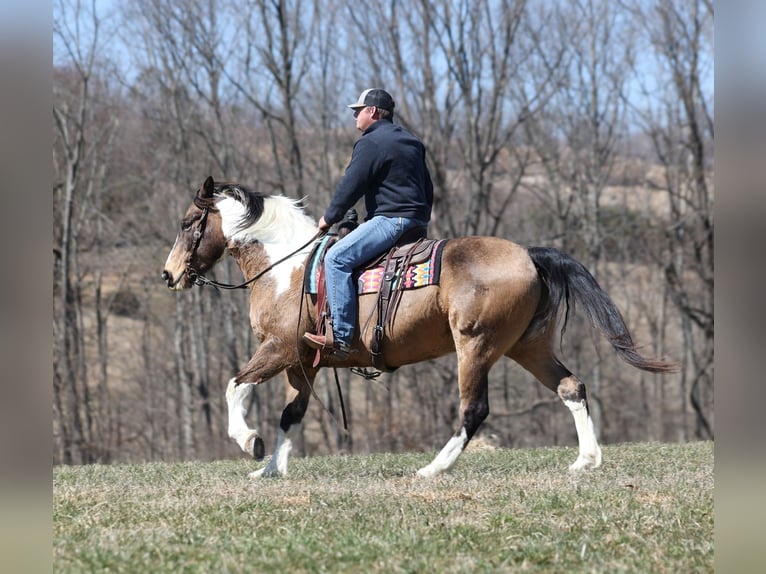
pixel 388 168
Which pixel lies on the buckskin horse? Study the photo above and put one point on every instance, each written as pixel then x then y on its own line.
pixel 495 298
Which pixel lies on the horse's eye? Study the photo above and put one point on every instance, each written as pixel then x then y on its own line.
pixel 186 225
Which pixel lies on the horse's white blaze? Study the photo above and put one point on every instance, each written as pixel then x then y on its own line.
pixel 447 457
pixel 238 429
pixel 174 270
pixel 277 465
pixel 168 261
pixel 282 228
pixel 590 452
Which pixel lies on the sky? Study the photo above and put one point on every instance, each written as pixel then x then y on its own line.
pixel 749 50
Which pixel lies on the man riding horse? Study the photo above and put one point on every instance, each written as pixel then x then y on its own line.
pixel 387 167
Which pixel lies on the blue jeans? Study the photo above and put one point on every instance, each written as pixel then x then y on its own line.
pixel 370 239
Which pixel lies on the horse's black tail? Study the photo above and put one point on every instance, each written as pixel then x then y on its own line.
pixel 565 278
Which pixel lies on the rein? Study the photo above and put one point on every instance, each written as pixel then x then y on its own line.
pixel 201 280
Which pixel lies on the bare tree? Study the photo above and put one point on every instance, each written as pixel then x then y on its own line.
pixel 678 120
pixel 277 41
pixel 176 51
pixel 329 132
pixel 453 66
pixel 84 132
pixel 576 136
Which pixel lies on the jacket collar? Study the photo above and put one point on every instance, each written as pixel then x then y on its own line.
pixel 377 124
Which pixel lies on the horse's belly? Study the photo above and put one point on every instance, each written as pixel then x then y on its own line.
pixel 420 330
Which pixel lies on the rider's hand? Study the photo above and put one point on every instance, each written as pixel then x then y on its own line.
pixel 323 225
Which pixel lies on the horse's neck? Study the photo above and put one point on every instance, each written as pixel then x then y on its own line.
pixel 252 258
pixel 258 259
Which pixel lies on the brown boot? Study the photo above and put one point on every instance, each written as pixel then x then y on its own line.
pixel 339 350
pixel 315 341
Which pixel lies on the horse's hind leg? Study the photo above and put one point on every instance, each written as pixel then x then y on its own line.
pixel 538 358
pixel 474 407
pixel 298 388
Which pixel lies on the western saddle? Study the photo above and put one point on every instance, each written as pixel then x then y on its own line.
pixel 412 248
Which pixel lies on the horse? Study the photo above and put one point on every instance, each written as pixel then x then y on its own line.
pixel 495 299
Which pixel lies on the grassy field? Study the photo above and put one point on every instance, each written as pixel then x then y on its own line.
pixel 649 508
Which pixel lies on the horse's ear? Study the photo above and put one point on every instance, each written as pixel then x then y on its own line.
pixel 207 187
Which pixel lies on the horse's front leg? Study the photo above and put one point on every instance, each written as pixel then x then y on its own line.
pixel 236 400
pixel 266 363
pixel 298 386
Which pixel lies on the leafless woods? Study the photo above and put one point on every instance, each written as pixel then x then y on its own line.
pixel 583 125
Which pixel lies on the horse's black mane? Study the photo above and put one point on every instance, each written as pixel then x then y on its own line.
pixel 251 200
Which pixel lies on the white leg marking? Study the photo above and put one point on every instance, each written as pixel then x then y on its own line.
pixel 590 452
pixel 277 465
pixel 447 457
pixel 238 429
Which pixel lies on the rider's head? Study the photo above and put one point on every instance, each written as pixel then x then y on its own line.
pixel 372 105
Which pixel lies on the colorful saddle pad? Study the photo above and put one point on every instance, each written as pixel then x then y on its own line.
pixel 369 280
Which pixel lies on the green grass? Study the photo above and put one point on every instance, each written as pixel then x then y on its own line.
pixel 649 508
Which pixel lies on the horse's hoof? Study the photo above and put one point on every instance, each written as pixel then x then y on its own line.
pixel 259 450
pixel 585 463
pixel 426 472
pixel 267 472
pixel 579 465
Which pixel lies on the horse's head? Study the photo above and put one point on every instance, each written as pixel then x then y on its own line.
pixel 200 242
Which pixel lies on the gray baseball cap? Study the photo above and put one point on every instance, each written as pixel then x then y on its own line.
pixel 374 97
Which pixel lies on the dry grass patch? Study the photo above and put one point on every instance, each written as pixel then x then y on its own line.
pixel 649 509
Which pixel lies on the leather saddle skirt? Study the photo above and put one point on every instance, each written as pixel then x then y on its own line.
pixel 423 257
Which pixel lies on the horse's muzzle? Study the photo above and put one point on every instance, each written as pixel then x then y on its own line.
pixel 167 277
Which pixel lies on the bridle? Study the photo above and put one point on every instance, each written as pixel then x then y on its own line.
pixel 191 272
pixel 200 280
